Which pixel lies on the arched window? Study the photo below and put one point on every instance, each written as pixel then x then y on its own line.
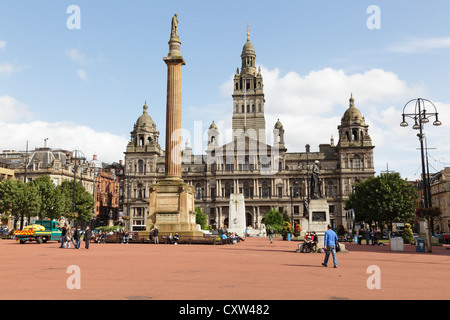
pixel 140 166
pixel 198 191
pixel 355 135
pixel 331 190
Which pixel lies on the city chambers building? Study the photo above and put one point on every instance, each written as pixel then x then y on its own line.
pixel 267 175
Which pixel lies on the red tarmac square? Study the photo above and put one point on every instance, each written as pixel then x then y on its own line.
pixel 250 270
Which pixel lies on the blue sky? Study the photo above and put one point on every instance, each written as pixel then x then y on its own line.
pixel 84 88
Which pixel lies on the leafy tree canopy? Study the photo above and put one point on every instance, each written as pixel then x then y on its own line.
pixel 384 199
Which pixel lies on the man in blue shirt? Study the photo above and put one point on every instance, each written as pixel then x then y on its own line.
pixel 330 246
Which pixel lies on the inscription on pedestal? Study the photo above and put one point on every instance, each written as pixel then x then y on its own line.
pixel 319 216
pixel 168 203
pixel 167 217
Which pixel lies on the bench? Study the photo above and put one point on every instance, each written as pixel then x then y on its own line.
pixel 189 240
pixel 302 245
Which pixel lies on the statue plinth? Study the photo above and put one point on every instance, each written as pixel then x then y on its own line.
pixel 318 218
pixel 172 208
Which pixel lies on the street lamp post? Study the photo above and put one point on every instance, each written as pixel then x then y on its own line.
pixel 78 159
pixel 420 117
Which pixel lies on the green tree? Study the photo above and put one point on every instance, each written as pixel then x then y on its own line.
pixel 28 200
pixel 200 218
pixel 52 203
pixel 383 199
pixel 8 197
pixel 84 203
pixel 275 219
pixel 19 200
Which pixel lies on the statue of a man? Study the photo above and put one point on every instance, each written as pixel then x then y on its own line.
pixel 174 32
pixel 316 181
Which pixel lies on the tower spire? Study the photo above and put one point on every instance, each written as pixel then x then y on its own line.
pixel 248 32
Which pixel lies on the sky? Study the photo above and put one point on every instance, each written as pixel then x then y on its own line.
pixel 79 72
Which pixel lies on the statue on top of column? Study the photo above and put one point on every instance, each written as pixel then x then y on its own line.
pixel 174 32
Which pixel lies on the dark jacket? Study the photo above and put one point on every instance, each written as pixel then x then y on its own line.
pixel 87 234
pixel 76 234
pixel 155 232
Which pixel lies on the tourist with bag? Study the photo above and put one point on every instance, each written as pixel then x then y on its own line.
pixel 330 246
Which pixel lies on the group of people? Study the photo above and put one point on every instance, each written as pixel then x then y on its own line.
pixel 173 238
pixel 370 235
pixel 153 236
pixel 230 237
pixel 73 235
pixel 310 242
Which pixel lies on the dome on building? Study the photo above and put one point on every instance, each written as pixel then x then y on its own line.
pixel 278 125
pixel 145 121
pixel 95 163
pixel 213 125
pixel 352 115
pixel 248 48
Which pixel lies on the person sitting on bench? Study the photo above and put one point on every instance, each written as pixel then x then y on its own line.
pixel 308 241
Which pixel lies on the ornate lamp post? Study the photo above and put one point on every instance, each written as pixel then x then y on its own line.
pixel 421 117
pixel 78 159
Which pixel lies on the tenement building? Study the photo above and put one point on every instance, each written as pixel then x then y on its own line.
pixel 267 175
pixel 101 180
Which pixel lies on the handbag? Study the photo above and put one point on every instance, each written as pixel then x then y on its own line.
pixel 338 247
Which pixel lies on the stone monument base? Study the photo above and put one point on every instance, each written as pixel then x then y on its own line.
pixel 318 218
pixel 172 209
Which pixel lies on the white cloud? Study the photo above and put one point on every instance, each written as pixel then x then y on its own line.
pixel 82 74
pixel 64 135
pixel 78 57
pixel 13 110
pixel 419 45
pixel 6 69
pixel 2 44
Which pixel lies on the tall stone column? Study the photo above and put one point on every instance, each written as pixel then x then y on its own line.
pixel 174 61
pixel 172 206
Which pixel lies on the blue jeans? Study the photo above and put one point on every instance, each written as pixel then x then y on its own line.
pixel 63 240
pixel 331 249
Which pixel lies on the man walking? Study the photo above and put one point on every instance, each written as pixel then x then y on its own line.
pixel 330 246
pixel 270 232
pixel 87 236
pixel 77 237
pixel 155 235
pixel 63 236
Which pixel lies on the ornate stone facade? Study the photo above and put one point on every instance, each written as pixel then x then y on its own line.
pixel 268 176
